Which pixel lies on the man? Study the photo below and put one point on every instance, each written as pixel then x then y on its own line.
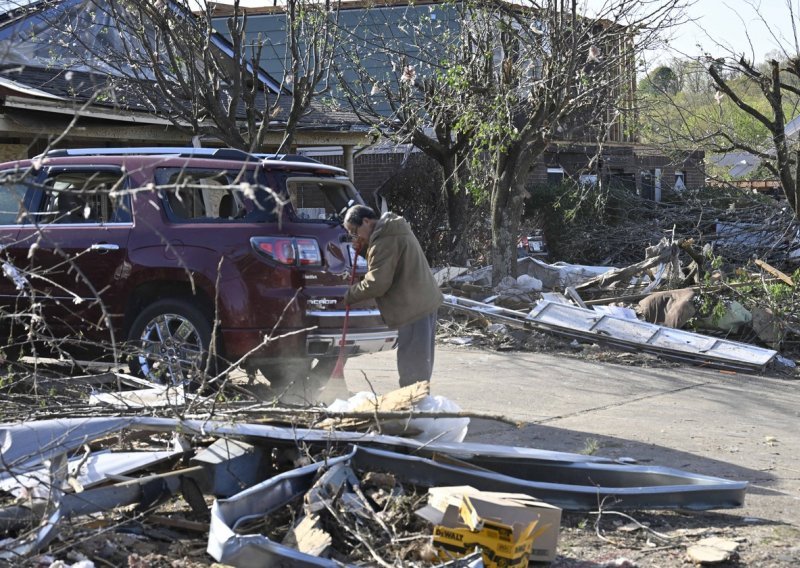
pixel 400 281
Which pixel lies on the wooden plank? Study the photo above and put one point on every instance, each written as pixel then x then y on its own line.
pixel 309 537
pixel 774 271
pixel 573 293
pixel 178 523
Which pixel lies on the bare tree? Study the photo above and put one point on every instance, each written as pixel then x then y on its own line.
pixel 503 81
pixel 160 57
pixel 579 87
pixel 740 107
pixel 778 85
pixel 395 84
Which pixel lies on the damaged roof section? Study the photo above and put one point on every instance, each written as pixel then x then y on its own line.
pixel 94 58
pixel 625 333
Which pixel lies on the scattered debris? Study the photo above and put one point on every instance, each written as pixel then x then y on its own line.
pixel 660 290
pixel 464 506
pixel 672 308
pixel 268 479
pixel 504 530
pixel 625 333
pixel 732 319
pixel 713 550
pixel 153 397
pixel 774 271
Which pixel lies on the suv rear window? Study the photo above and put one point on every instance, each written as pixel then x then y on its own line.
pixel 198 195
pixel 319 199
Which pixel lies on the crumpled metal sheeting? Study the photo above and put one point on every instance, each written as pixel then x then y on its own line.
pixel 29 543
pixel 246 551
pixel 534 472
pixel 629 486
pixel 570 481
pixel 54 437
pixel 96 469
pixel 257 550
pixel 24 445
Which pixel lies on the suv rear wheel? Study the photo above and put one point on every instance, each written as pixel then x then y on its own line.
pixel 170 342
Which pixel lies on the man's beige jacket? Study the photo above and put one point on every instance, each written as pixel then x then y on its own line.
pixel 398 276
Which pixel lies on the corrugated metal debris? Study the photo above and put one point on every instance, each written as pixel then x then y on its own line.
pixel 625 333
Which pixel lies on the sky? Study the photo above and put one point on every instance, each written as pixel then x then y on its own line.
pixel 742 26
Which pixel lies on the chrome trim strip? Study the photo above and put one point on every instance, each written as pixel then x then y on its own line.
pixel 357 343
pixel 371 336
pixel 341 313
pixel 56 225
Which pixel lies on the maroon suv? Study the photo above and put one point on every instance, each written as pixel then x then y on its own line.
pixel 165 255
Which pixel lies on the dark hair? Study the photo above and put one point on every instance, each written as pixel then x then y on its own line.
pixel 357 213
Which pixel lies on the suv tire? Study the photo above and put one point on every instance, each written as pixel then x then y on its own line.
pixel 169 343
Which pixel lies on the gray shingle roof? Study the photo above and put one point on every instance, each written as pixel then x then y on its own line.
pixel 38 54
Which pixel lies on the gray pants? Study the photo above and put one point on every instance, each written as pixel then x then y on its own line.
pixel 415 344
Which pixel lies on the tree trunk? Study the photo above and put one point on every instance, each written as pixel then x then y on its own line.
pixel 505 226
pixel 796 189
pixel 508 202
pixel 506 215
pixel 458 201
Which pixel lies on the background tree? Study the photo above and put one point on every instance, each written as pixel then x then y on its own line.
pixel 736 107
pixel 778 87
pixel 744 109
pixel 498 82
pixel 661 80
pixel 177 66
pixel 554 73
pixel 699 116
pixel 394 75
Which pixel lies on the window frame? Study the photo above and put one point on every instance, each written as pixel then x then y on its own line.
pixel 40 193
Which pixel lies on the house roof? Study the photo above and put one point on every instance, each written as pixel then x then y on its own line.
pixel 50 56
pixel 112 92
pixel 224 7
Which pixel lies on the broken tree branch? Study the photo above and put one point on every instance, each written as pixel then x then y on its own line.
pixel 621 274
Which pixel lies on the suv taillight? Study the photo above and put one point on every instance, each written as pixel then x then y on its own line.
pixel 289 251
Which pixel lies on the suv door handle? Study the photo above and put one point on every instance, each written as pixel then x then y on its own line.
pixel 104 246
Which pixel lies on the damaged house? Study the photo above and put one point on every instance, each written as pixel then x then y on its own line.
pixel 75 74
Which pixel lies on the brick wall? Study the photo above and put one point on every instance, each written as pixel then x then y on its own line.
pixel 371 170
pixel 10 152
pixel 619 161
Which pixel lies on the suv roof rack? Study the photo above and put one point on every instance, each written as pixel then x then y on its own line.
pixel 301 159
pixel 288 158
pixel 212 153
pixel 218 153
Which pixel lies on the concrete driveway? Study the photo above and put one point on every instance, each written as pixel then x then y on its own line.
pixel 736 426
